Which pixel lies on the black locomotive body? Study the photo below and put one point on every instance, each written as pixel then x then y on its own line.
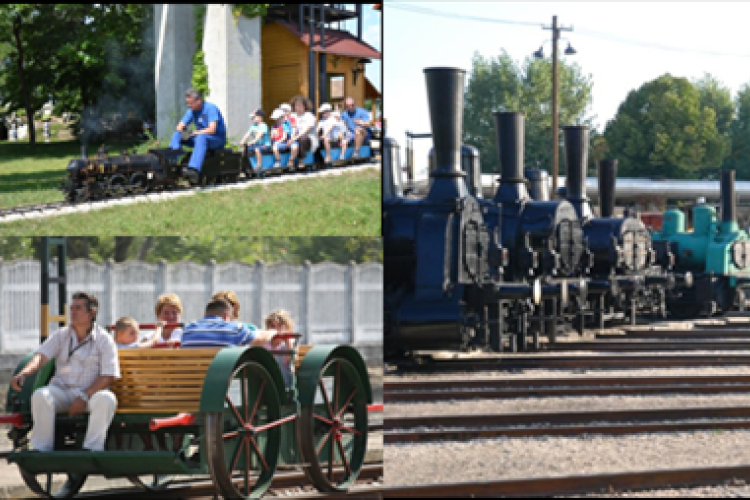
pixel 111 176
pixel 543 238
pixel 442 288
pixel 624 279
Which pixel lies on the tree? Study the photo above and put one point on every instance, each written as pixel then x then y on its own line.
pixel 28 57
pixel 499 84
pixel 719 98
pixel 739 157
pixel 664 129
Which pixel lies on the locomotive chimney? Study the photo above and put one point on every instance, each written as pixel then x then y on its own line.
pixel 509 129
pixel 538 183
pixel 607 179
pixel 576 140
pixel 445 97
pixel 728 202
pixel 392 188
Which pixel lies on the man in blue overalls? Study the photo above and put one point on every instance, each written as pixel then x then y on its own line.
pixel 210 133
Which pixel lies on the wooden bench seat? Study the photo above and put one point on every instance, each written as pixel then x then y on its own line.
pixel 161 380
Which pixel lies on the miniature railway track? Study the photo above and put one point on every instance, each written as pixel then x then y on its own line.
pixel 445 390
pixel 61 207
pixel 571 485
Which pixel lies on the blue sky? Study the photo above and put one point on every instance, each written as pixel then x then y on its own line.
pixel 621 44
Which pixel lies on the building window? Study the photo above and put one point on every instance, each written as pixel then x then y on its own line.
pixel 336 88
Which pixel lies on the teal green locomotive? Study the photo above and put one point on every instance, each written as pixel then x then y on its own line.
pixel 716 251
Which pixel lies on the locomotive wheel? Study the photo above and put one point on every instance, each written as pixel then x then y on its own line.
pixel 243 442
pixel 332 433
pixel 46 488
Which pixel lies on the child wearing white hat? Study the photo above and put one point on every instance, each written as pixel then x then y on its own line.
pixel 331 130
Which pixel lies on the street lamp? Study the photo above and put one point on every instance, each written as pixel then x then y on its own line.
pixel 555 118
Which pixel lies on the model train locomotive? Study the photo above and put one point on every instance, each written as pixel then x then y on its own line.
pixel 114 176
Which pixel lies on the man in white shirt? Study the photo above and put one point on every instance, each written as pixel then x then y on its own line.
pixel 86 363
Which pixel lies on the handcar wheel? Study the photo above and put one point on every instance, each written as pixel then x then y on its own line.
pixel 46 488
pixel 243 442
pixel 332 432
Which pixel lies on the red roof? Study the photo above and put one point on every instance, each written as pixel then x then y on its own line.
pixel 338 42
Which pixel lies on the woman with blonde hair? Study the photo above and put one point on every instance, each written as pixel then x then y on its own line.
pixel 169 309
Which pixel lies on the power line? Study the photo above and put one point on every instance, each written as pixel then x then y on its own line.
pixel 582 31
pixel 452 15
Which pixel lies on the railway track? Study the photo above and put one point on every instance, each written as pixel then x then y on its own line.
pixel 453 390
pixel 281 484
pixel 641 348
pixel 63 208
pixel 574 485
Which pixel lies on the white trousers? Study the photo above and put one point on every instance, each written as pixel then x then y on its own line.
pixel 49 400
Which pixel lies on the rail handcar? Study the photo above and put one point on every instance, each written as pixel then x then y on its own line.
pixel 236 420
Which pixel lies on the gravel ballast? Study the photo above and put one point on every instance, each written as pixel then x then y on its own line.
pixel 495 459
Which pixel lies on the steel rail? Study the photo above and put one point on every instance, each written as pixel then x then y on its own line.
pixel 648 345
pixel 416 385
pixel 187 489
pixel 539 392
pixel 441 435
pixel 520 362
pixel 563 418
pixel 579 484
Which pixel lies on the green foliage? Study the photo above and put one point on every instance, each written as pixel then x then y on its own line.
pixel 500 84
pixel 668 128
pixel 201 249
pixel 200 70
pixel 739 156
pixel 249 10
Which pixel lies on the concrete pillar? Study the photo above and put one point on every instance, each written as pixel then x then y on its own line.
pixel 232 55
pixel 174 28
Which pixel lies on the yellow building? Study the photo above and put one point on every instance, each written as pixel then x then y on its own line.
pixel 338 58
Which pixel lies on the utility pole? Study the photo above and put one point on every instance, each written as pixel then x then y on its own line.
pixel 555 112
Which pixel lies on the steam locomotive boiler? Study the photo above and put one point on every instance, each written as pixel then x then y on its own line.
pixel 543 238
pixel 717 251
pixel 444 285
pixel 623 278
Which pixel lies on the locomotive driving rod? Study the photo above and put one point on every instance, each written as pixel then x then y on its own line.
pixel 671 281
pixel 565 289
pixel 516 291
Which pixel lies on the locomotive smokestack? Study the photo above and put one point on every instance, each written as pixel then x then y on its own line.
pixel 728 201
pixel 576 140
pixel 509 131
pixel 538 184
pixel 391 170
pixel 445 96
pixel 607 179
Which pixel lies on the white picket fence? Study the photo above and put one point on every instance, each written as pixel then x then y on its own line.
pixel 330 303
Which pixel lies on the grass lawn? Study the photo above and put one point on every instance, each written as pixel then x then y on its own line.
pixel 345 205
pixel 32 175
